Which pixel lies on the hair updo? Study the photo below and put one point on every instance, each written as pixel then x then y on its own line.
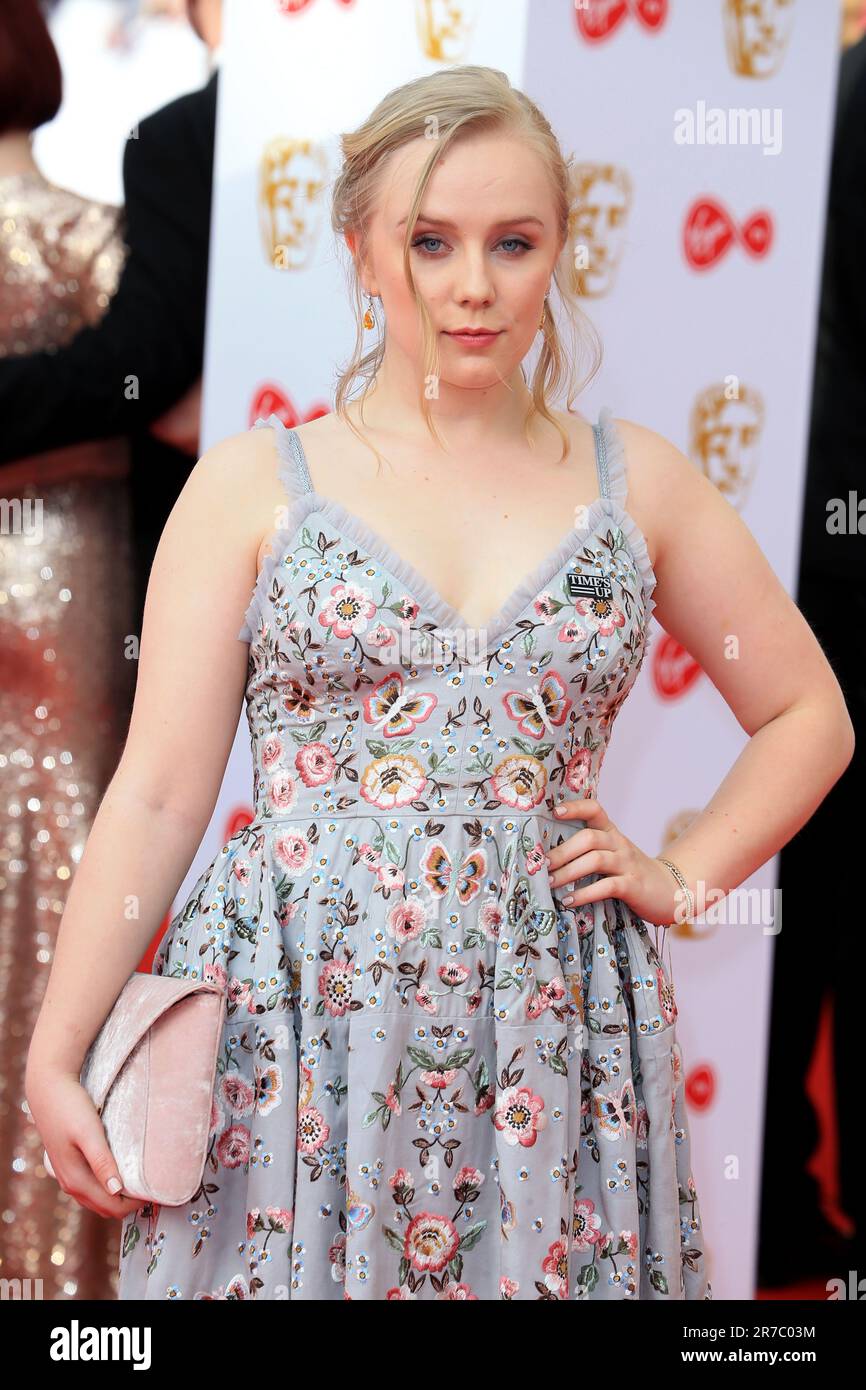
pixel 455 102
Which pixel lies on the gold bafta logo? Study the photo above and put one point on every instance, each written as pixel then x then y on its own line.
pixel 292 177
pixel 724 433
pixel 597 221
pixel 756 35
pixel 444 28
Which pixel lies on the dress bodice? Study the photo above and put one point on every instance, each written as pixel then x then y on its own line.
pixel 368 692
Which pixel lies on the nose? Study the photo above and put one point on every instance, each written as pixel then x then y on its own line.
pixel 473 282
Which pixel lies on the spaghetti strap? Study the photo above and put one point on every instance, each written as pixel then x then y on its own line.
pixel 295 477
pixel 293 471
pixel 610 458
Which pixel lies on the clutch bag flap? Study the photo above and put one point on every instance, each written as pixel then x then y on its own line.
pixel 150 1073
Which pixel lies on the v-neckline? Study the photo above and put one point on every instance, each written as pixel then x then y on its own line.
pixel 426 593
pixel 305 499
pixel 402 569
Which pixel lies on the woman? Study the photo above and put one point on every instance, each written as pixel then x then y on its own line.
pixel 445 1072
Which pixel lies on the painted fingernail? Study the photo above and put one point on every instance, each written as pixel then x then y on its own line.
pixel 114 1185
pixel 547 860
pixel 568 900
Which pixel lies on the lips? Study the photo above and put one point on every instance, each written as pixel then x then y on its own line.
pixel 474 338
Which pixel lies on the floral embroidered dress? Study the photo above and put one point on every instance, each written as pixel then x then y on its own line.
pixel 435 1081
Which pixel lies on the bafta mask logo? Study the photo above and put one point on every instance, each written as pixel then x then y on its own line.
pixel 597 19
pixel 292 178
pixel 756 35
pixel 444 28
pixel 598 220
pixel 724 434
pixel 709 231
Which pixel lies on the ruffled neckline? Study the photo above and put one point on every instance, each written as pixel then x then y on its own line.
pixel 600 512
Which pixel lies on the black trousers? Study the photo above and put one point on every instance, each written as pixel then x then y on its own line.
pixel 818 952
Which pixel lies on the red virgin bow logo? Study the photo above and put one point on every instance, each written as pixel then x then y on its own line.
pixel 701 1087
pixel 295 6
pixel 271 400
pixel 709 231
pixel 597 19
pixel 673 669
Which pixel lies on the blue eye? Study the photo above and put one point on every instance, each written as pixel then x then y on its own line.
pixel 421 240
pixel 514 241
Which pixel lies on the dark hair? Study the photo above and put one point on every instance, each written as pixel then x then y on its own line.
pixel 31 82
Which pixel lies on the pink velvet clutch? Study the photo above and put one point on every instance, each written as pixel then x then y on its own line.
pixel 150 1073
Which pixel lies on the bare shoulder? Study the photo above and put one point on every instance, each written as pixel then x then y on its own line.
pixel 330 448
pixel 242 471
pixel 664 486
pixel 247 451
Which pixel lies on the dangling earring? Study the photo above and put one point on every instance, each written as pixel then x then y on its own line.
pixel 543 312
pixel 369 317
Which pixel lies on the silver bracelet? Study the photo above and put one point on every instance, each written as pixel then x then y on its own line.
pixel 681 881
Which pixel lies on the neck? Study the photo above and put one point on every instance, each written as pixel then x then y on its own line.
pixel 464 417
pixel 16 154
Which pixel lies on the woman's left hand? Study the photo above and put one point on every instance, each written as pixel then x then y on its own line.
pixel 643 883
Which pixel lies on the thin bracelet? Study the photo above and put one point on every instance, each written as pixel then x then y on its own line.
pixel 681 881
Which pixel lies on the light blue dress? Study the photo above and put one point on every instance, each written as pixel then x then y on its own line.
pixel 435 1080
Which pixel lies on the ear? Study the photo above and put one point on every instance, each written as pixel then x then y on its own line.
pixel 351 239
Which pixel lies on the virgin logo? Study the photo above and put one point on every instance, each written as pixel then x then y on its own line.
pixel 270 400
pixel 597 19
pixel 701 1087
pixel 295 6
pixel 709 231
pixel 235 821
pixel 673 669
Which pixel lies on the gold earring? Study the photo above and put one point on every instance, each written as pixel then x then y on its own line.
pixel 543 312
pixel 369 318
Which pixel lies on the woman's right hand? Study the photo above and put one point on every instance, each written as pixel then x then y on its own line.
pixel 72 1132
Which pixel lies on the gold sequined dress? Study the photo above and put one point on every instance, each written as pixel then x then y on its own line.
pixel 65 612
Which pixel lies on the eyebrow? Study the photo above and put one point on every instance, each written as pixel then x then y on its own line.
pixel 452 226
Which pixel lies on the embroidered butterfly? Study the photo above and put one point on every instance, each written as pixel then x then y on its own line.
pixel 525 914
pixel 358 1212
pixel 442 878
pixel 393 711
pixel 541 707
pixel 615 1112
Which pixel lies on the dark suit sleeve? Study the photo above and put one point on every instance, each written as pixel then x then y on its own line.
pixel 848 202
pixel 120 374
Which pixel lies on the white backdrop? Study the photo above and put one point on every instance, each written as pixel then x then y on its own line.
pixel 703 282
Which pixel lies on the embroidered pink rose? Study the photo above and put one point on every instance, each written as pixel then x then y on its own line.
pixel 293 850
pixel 283 791
pixel 315 763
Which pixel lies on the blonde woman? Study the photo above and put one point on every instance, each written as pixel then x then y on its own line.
pixel 450 1067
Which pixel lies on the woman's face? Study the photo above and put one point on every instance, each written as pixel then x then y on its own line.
pixel 482 257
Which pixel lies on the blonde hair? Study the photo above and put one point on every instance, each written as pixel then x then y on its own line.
pixel 454 102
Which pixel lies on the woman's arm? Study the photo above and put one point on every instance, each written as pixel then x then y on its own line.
pixel 718 595
pixel 188 699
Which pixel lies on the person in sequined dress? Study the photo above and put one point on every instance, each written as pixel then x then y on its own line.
pixel 65 621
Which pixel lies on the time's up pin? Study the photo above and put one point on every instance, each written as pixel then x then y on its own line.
pixel 589 585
